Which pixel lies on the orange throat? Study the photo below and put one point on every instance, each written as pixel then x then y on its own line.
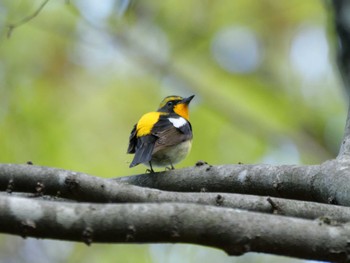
pixel 182 110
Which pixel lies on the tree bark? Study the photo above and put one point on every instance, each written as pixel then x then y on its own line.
pixel 235 231
pixel 326 183
pixel 58 183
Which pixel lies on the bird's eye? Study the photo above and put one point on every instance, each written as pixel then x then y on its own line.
pixel 170 103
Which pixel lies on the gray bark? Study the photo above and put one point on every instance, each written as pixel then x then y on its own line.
pixel 235 231
pixel 326 183
pixel 58 183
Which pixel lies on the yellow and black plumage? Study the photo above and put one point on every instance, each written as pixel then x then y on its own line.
pixel 162 137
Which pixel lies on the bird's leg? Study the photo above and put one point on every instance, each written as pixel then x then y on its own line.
pixel 151 169
pixel 170 168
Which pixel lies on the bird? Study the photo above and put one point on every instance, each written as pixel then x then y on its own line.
pixel 162 138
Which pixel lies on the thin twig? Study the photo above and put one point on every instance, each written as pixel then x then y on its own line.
pixel 275 207
pixel 26 19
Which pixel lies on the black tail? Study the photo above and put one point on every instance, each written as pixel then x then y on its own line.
pixel 144 149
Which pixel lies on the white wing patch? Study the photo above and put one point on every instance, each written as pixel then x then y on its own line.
pixel 178 122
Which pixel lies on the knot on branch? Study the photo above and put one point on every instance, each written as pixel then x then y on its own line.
pixel 200 163
pixel 332 200
pixel 87 235
pixel 277 185
pixel 71 183
pixel 10 186
pixel 238 250
pixel 130 233
pixel 39 189
pixel 26 227
pixel 219 200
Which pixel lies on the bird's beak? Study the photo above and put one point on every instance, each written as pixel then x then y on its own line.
pixel 187 100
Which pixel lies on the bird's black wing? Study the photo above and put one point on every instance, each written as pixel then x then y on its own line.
pixel 143 149
pixel 132 141
pixel 169 135
pixel 164 134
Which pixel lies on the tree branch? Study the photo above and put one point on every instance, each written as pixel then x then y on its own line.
pixel 326 183
pixel 241 231
pixel 345 145
pixel 12 26
pixel 82 187
pixel 342 26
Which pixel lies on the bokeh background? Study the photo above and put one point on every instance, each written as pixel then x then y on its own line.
pixel 76 78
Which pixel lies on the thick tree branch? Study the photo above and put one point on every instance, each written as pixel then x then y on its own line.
pixel 78 186
pixel 326 183
pixel 232 230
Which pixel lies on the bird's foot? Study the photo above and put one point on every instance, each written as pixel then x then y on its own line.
pixel 169 168
pixel 151 171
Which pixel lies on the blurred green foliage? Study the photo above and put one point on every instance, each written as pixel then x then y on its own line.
pixel 76 78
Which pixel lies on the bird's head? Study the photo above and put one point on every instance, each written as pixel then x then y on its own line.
pixel 176 104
